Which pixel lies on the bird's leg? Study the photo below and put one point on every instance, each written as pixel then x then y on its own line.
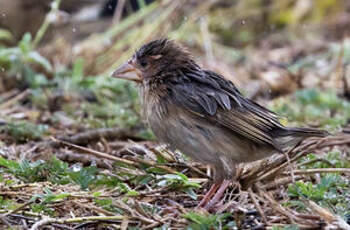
pixel 218 194
pixel 290 166
pixel 209 194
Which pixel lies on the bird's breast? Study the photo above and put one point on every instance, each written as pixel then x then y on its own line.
pixel 154 105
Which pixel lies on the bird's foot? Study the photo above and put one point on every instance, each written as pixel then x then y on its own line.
pixel 208 195
pixel 213 196
pixel 218 195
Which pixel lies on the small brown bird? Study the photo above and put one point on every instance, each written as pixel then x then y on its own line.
pixel 202 114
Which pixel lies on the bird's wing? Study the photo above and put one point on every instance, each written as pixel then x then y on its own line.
pixel 210 96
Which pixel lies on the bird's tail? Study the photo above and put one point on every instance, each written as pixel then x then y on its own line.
pixel 305 132
pixel 289 137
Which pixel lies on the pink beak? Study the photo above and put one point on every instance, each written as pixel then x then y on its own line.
pixel 127 71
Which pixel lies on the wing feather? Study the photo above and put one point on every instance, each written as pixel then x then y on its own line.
pixel 209 95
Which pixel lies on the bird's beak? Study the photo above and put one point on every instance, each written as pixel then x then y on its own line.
pixel 127 71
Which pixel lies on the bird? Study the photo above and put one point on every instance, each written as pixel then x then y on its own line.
pixel 204 115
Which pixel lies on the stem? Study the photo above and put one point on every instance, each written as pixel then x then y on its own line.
pixel 43 28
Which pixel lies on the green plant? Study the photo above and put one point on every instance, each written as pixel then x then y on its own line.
pixel 107 204
pixel 206 222
pixel 50 197
pixel 23 131
pixel 333 159
pixel 288 227
pixel 310 105
pixel 5 35
pixel 57 172
pixel 180 182
pixel 18 60
pixel 47 198
pixel 332 192
pixel 327 189
pixel 84 176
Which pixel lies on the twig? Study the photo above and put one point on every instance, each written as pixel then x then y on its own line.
pixel 276 206
pixel 132 162
pixel 95 152
pixel 191 167
pixel 321 170
pixel 14 100
pixel 159 190
pixel 133 212
pixel 160 152
pixel 10 193
pixel 125 224
pixel 17 209
pixel 257 206
pixel 314 161
pixel 279 182
pixel 151 163
pixel 118 12
pixel 308 216
pixel 328 216
pixel 307 148
pixel 267 169
pixel 49 220
pixel 74 157
pixel 131 21
pixel 94 135
pixel 339 142
pixel 151 226
pixel 43 222
pixel 5 222
pixel 58 226
pixel 96 209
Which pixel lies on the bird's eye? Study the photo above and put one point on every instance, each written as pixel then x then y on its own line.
pixel 143 63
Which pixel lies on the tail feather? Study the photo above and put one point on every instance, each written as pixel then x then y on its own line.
pixel 289 137
pixel 306 132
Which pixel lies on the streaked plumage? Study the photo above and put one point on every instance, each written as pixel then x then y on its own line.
pixel 202 114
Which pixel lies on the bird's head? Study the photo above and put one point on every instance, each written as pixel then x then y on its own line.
pixel 152 59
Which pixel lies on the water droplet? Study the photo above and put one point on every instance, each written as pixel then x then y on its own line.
pixel 3 15
pixel 185 18
pixel 243 22
pixel 74 29
pixel 76 167
pixel 110 6
pixel 2 69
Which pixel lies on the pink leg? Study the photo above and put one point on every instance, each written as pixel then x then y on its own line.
pixel 208 195
pixel 218 194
